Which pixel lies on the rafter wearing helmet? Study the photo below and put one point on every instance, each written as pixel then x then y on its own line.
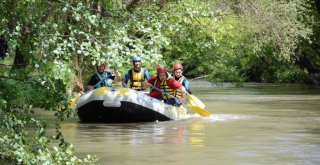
pixel 137 76
pixel 178 75
pixel 106 77
pixel 167 84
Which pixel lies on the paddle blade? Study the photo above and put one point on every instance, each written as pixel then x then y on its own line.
pixel 72 102
pixel 200 111
pixel 194 101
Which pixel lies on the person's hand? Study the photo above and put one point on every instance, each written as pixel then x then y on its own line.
pixel 79 89
pixel 182 101
pixel 90 87
pixel 184 93
pixel 145 84
pixel 118 76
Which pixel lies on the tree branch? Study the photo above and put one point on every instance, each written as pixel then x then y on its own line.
pixel 131 4
pixel 200 77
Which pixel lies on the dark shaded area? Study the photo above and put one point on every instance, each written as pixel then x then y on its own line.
pixel 317 2
pixel 4 50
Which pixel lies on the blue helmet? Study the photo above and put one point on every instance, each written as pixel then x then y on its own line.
pixel 136 59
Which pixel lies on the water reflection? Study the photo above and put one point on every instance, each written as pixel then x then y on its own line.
pixel 191 131
pixel 197 135
pixel 182 132
pixel 131 133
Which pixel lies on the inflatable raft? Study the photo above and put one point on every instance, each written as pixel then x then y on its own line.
pixel 124 105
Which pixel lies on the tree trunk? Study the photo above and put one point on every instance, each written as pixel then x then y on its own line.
pixel 131 4
pixel 20 60
pixel 78 63
pixel 12 20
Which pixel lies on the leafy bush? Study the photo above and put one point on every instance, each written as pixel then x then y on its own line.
pixel 23 137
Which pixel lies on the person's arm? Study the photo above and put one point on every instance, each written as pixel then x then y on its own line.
pixel 152 79
pixel 146 78
pixel 146 75
pixel 154 93
pixel 184 93
pixel 125 80
pixel 118 76
pixel 175 85
pixel 186 85
pixel 91 83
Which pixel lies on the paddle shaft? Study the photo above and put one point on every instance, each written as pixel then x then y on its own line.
pixel 96 85
pixel 167 94
pixel 161 91
pixel 104 78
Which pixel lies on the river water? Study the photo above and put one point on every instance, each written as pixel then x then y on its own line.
pixel 253 125
pixel 256 124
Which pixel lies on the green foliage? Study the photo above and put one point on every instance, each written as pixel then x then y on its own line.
pixel 230 35
pixel 239 41
pixel 56 42
pixel 23 137
pixel 205 43
pixel 47 41
pixel 24 141
pixel 270 34
pixel 307 55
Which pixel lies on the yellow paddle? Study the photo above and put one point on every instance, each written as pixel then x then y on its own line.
pixel 194 101
pixel 199 110
pixel 197 105
pixel 72 102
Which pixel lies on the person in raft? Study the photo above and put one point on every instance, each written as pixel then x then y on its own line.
pixel 103 78
pixel 138 76
pixel 167 84
pixel 178 75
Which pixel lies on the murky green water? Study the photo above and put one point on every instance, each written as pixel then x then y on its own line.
pixel 257 124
